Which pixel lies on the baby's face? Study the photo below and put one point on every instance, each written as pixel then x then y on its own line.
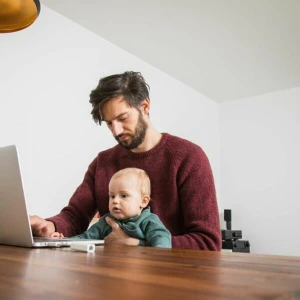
pixel 125 199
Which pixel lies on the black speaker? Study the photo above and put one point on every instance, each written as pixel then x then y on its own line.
pixel 231 238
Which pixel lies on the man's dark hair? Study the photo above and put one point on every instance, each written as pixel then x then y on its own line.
pixel 130 85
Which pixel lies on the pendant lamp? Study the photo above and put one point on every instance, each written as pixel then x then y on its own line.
pixel 18 14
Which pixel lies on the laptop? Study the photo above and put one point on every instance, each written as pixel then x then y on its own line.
pixel 15 226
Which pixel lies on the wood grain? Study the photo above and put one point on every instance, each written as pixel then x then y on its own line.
pixel 117 272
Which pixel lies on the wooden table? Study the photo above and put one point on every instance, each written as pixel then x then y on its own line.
pixel 120 272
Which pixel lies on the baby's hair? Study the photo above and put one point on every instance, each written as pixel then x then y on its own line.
pixel 143 179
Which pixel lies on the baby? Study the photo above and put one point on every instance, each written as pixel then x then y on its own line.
pixel 129 196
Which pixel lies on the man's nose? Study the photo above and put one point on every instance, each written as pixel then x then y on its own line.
pixel 116 128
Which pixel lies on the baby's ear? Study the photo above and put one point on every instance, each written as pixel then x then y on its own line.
pixel 145 201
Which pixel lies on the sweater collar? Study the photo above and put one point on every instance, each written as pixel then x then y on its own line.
pixel 150 152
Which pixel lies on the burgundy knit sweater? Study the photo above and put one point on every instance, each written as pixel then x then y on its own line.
pixel 182 192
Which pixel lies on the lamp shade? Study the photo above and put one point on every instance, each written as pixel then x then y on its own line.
pixel 18 14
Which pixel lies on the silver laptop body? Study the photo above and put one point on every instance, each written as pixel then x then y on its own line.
pixel 15 226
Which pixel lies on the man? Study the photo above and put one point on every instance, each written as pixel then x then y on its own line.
pixel 183 192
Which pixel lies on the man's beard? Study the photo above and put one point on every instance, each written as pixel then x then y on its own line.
pixel 137 138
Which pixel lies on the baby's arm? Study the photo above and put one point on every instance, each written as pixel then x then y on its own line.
pixel 97 231
pixel 157 235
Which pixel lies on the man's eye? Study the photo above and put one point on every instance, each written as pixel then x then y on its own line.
pixel 108 124
pixel 122 119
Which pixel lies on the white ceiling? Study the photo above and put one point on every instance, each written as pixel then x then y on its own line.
pixel 226 50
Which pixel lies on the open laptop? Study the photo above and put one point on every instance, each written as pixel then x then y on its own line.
pixel 15 226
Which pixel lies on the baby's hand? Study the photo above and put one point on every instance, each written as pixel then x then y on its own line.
pixel 57 235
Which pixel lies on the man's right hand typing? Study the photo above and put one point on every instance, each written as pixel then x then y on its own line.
pixel 41 227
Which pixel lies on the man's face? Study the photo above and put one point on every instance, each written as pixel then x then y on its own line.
pixel 126 123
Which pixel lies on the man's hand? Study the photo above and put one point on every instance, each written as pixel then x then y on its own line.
pixel 57 235
pixel 118 236
pixel 41 227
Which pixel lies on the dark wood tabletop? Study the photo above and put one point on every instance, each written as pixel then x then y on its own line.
pixel 123 272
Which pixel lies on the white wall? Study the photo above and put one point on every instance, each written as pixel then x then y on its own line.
pixel 260 147
pixel 46 74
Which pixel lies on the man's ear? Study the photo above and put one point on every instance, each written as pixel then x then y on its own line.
pixel 145 106
pixel 145 201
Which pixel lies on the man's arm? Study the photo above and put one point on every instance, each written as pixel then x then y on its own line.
pixel 76 216
pixel 198 204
